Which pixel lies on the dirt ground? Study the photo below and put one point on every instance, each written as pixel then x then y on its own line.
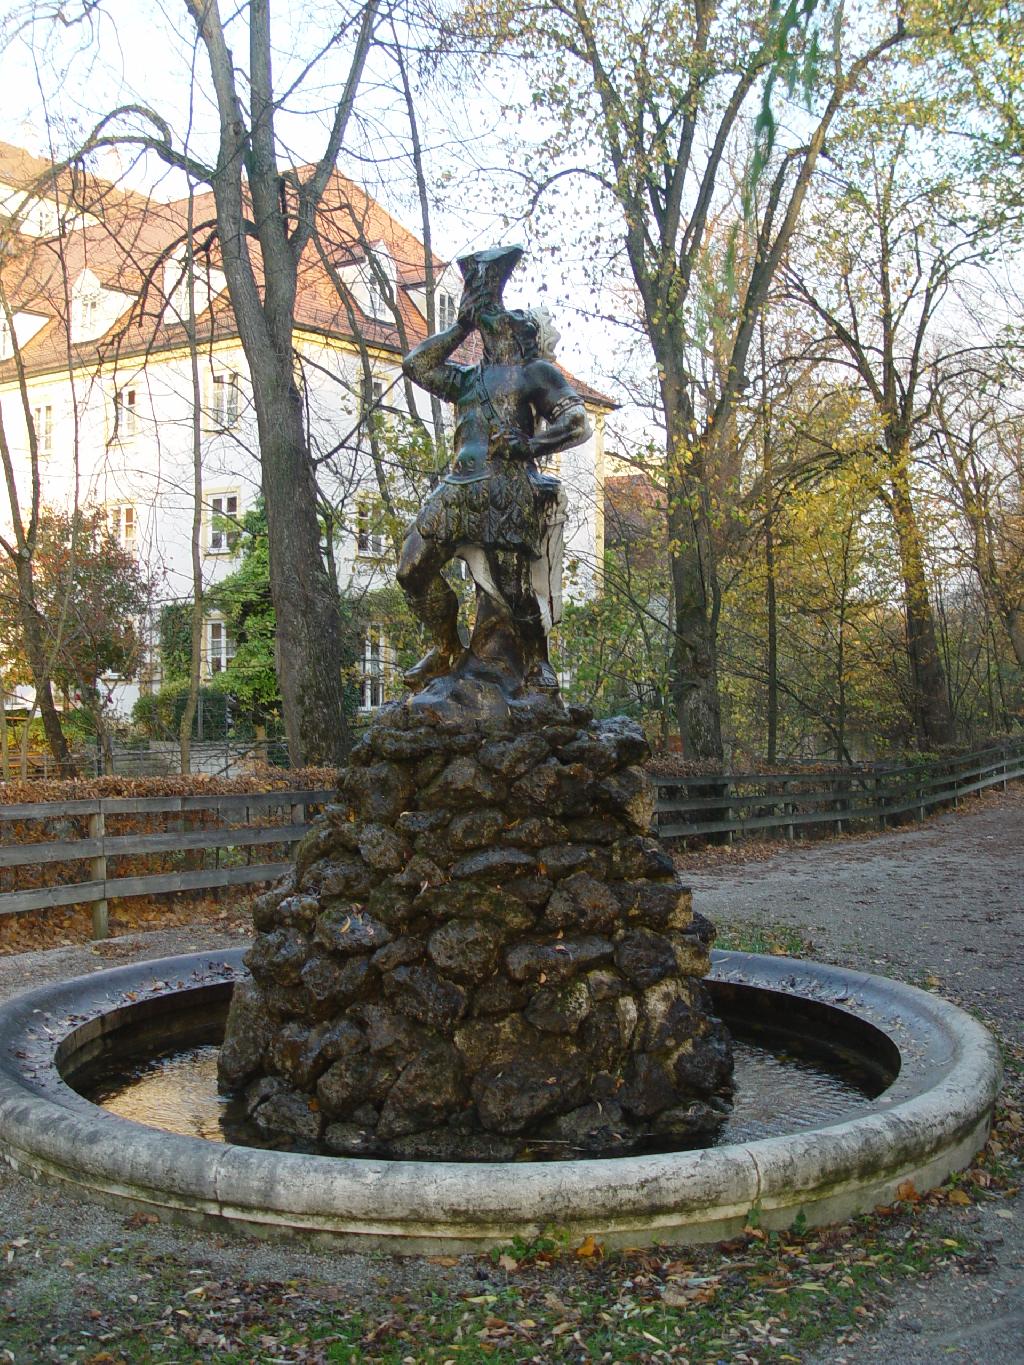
pixel 941 905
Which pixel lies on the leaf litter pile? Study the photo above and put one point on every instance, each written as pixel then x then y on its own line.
pixel 761 1297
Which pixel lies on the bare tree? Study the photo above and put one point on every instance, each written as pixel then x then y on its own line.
pixel 265 211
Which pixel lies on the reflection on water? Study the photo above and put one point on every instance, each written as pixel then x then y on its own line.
pixel 776 1092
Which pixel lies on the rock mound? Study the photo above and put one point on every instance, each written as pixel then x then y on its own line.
pixel 481 954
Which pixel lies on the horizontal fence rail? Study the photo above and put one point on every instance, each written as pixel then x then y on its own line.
pixel 726 804
pixel 251 828
pixel 800 801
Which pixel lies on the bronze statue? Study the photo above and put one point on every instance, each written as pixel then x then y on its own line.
pixel 495 510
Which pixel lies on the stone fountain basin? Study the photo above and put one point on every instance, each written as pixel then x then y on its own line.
pixel 930 1121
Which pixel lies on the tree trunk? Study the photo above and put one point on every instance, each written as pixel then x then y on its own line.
pixel 308 630
pixel 933 719
pixel 695 589
pixel 1014 621
pixel 35 652
pixel 188 714
pixel 771 605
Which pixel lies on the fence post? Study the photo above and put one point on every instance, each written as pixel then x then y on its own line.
pixel 98 872
pixel 840 789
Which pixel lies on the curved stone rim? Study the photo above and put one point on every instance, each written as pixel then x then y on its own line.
pixel 929 1122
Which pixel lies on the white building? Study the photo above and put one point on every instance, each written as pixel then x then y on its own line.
pixel 118 329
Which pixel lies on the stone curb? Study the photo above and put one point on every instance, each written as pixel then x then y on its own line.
pixel 930 1121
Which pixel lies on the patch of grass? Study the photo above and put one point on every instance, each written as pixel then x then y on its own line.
pixel 551 1242
pixel 778 940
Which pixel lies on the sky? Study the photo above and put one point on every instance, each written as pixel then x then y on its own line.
pixel 59 81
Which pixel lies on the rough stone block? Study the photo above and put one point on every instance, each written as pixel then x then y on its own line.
pixel 331 985
pixel 279 956
pixel 475 828
pixel 424 995
pixel 466 949
pixel 383 849
pixel 462 783
pixel 509 759
pixel 559 1009
pixel 247 1036
pixel 645 957
pixel 493 864
pixel 350 931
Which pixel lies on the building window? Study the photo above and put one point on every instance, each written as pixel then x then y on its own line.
pixel 126 419
pixel 224 530
pixel 376 301
pixel 220 648
pixel 224 404
pixel 373 684
pixel 121 525
pixel 370 538
pixel 42 421
pixel 447 312
pixel 88 313
pixel 371 395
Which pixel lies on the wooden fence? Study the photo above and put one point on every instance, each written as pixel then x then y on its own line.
pixel 795 801
pixel 687 807
pixel 246 826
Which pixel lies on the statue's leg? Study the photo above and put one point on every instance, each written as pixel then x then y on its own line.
pixel 432 602
pixel 512 570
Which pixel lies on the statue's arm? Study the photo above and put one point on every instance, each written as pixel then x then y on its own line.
pixel 565 418
pixel 429 364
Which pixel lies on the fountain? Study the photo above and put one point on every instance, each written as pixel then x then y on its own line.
pixel 479 1004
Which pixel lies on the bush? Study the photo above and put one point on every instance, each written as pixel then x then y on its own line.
pixel 159 714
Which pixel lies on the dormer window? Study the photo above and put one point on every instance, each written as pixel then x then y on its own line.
pixel 375 295
pixel 377 277
pixel 188 287
pixel 89 317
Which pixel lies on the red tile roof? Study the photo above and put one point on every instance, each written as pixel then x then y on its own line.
pixel 128 248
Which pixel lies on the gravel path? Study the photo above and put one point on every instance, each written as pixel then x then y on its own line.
pixel 941 905
pixel 944 900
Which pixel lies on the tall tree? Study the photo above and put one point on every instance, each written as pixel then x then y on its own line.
pixel 265 213
pixel 894 236
pixel 650 101
pixel 20 544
